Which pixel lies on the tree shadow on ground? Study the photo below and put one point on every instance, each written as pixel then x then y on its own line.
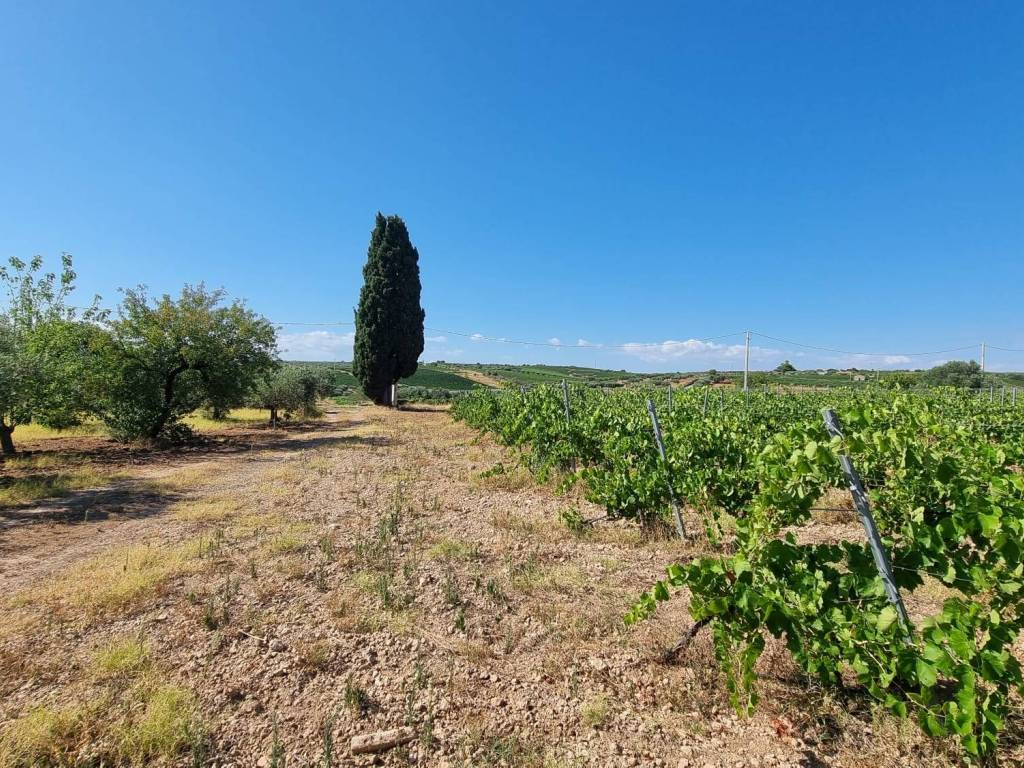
pixel 104 450
pixel 139 497
pixel 124 500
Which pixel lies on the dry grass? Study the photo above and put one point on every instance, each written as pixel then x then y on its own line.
pixel 489 750
pixel 114 580
pixel 522 527
pixel 127 714
pixel 35 463
pixel 283 536
pixel 322 464
pixel 150 723
pixel 42 736
pixel 314 655
pixel 33 487
pixel 187 478
pixel 32 432
pixel 530 577
pixel 349 614
pixel 454 549
pixel 280 481
pixel 248 524
pixel 373 427
pixel 120 658
pixel 212 509
pixel 595 711
pixel 284 544
pixel 237 417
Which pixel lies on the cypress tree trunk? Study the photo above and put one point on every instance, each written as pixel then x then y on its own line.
pixel 389 318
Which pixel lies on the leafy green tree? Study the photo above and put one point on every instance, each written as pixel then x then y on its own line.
pixel 279 392
pixel 168 358
pixel 955 373
pixel 389 319
pixel 291 389
pixel 316 383
pixel 785 367
pixel 44 348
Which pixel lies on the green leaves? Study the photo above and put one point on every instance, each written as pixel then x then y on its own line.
pixel 926 674
pixel 886 618
pixel 944 490
pixel 44 348
pixel 166 357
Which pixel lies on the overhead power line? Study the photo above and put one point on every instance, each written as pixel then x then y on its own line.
pixel 655 344
pixel 529 343
pixel 586 345
pixel 867 354
pixel 339 322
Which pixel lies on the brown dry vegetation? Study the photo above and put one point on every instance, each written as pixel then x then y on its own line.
pixel 280 592
pixel 480 377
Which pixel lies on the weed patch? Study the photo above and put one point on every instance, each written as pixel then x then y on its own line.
pixel 132 716
pixel 114 580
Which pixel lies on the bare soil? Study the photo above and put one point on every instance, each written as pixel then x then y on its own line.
pixel 369 573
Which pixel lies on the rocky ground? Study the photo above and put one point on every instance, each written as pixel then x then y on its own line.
pixel 263 604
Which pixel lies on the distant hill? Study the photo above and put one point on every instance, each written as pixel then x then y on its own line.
pixel 444 380
pixel 428 376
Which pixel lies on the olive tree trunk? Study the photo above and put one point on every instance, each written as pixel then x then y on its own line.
pixel 6 441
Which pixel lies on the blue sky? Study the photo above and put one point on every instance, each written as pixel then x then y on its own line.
pixel 847 175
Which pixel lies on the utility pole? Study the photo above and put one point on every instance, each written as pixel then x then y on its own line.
pixel 746 362
pixel 983 357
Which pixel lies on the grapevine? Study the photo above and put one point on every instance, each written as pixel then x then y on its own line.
pixel 946 490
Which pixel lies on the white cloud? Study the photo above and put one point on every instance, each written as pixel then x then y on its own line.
pixel 585 343
pixel 673 350
pixel 554 340
pixel 477 337
pixel 316 345
pixel 896 360
pixel 437 339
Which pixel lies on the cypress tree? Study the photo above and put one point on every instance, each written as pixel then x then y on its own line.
pixel 389 319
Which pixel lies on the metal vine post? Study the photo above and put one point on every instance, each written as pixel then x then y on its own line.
pixel 860 501
pixel 680 528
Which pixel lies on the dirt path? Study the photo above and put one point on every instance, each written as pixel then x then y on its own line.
pixel 378 572
pixel 38 539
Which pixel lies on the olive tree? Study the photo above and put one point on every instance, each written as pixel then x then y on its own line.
pixel 955 373
pixel 45 348
pixel 291 389
pixel 168 357
pixel 279 392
